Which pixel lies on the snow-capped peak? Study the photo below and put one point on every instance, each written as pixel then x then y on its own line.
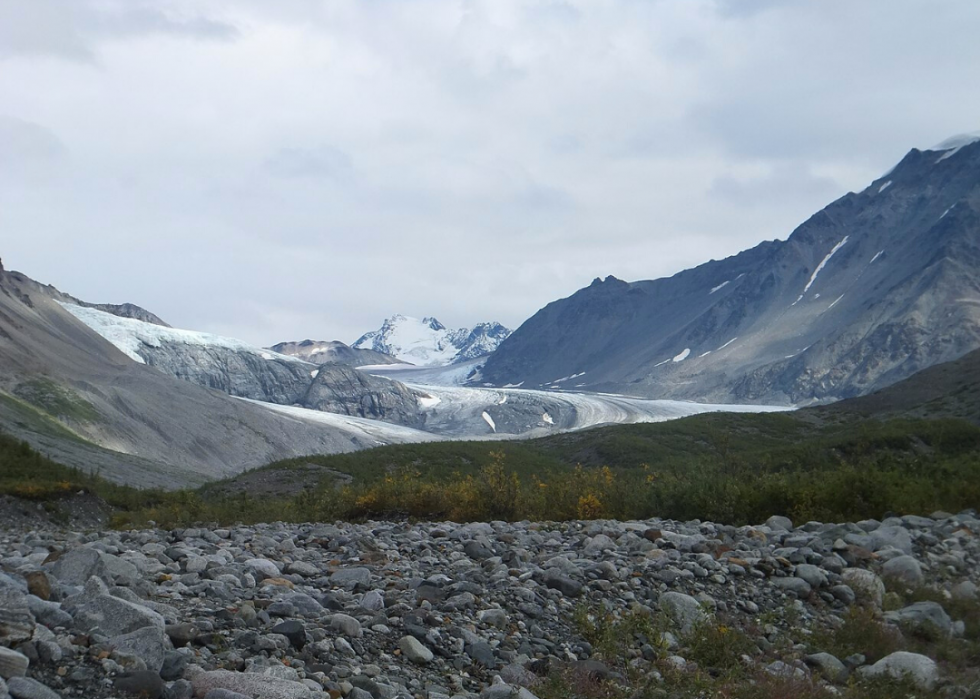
pixel 427 342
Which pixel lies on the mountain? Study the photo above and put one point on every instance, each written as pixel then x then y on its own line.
pixel 875 287
pixel 245 371
pixel 336 352
pixel 76 397
pixel 428 342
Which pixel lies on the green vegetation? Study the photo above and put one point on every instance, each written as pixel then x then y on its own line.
pixel 25 473
pixel 58 401
pixel 733 468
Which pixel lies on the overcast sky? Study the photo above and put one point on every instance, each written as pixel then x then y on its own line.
pixel 305 168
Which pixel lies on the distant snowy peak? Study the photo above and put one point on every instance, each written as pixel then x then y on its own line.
pixel 427 342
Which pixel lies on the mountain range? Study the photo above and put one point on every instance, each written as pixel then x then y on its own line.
pixel 427 342
pixel 878 285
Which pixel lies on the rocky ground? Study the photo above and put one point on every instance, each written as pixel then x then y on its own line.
pixel 489 610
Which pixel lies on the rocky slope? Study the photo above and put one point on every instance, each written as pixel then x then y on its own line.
pixel 335 352
pixel 878 285
pixel 75 396
pixel 428 342
pixel 484 610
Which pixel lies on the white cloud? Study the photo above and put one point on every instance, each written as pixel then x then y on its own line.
pixel 305 168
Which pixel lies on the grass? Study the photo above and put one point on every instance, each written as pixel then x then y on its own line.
pixel 56 400
pixel 730 468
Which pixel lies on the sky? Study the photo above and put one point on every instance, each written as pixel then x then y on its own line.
pixel 305 168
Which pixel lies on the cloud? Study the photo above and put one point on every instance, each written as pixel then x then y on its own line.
pixel 321 162
pixel 74 29
pixel 303 168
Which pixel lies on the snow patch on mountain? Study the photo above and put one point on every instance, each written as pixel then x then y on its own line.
pixel 823 263
pixel 427 342
pixel 130 335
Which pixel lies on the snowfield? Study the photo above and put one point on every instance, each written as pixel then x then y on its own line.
pixel 129 335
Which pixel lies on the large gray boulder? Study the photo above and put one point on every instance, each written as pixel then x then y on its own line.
pixel 904 569
pixel 251 684
pixel 683 610
pixel 150 643
pixel 115 617
pixel 924 618
pixel 918 668
pixel 868 588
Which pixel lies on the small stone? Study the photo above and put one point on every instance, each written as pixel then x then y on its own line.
pixel 351 577
pixel 251 684
pixel 414 650
pixel 38 584
pixel 149 643
pixel 373 601
pixel 263 568
pixel 815 576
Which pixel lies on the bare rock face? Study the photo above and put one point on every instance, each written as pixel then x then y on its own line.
pixel 875 287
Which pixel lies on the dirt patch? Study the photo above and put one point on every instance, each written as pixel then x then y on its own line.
pixel 79 512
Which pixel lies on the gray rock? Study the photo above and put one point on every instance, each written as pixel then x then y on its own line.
pixel 904 569
pixel 145 685
pixel 226 694
pixel 75 567
pixel 829 667
pixel 115 617
pixel 919 668
pixel 683 610
pixel 923 618
pixel 966 590
pixel 293 630
pixel 797 586
pixel 414 650
pixel 350 577
pixel 815 576
pixel 49 614
pixel 262 568
pixel 251 684
pixel 16 621
pixel 892 537
pixel 867 587
pixel 347 625
pixel 777 523
pixel 12 663
pixel 565 585
pixel 150 643
pixel 26 688
pixel 373 601
pixel 303 568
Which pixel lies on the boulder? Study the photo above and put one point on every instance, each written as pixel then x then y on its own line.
pixel 919 668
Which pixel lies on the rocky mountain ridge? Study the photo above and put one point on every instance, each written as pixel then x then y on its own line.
pixel 878 285
pixel 333 351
